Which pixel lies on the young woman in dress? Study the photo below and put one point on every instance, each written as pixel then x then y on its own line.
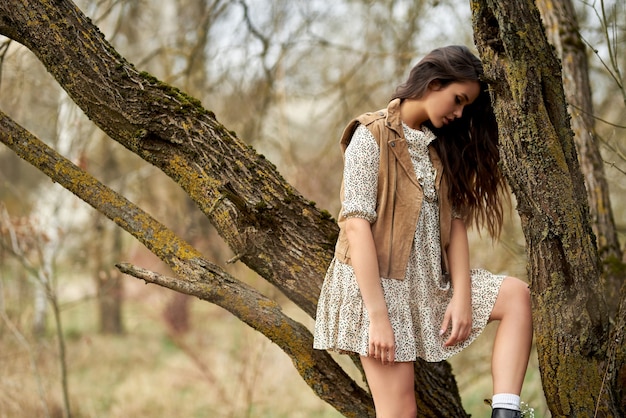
pixel 416 175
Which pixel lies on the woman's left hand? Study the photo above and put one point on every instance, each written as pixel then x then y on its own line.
pixel 459 317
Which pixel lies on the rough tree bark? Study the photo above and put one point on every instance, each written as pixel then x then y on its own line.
pixel 579 356
pixel 561 24
pixel 269 225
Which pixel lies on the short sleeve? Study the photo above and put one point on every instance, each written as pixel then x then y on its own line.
pixel 360 175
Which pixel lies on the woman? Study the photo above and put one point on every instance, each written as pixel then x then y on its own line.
pixel 416 174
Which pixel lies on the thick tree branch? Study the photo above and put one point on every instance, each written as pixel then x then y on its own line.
pixel 265 221
pixel 201 277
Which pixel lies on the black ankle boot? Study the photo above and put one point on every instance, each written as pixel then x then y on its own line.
pixel 505 413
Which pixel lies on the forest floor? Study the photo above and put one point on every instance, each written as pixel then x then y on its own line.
pixel 219 368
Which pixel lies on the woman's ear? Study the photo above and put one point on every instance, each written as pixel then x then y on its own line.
pixel 434 85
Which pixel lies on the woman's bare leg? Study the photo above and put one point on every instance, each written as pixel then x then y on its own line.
pixel 511 347
pixel 392 388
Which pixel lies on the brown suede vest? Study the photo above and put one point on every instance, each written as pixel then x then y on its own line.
pixel 399 193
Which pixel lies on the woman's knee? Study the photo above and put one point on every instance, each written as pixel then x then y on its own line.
pixel 521 291
pixel 514 298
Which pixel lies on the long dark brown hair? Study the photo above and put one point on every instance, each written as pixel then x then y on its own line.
pixel 468 147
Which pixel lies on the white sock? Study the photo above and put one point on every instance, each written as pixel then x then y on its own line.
pixel 506 401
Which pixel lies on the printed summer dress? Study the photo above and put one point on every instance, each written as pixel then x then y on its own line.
pixel 416 304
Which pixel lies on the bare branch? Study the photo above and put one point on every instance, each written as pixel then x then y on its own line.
pixel 611 41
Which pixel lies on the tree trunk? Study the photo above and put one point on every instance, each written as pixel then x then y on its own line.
pixel 107 249
pixel 108 280
pixel 561 24
pixel 540 162
pixel 267 223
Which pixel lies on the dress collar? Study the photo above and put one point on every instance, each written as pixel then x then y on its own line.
pixel 424 133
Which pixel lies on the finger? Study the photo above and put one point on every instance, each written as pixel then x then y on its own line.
pixel 454 335
pixel 444 325
pixel 458 335
pixel 463 332
pixel 380 354
pixel 466 334
pixel 387 355
pixel 452 339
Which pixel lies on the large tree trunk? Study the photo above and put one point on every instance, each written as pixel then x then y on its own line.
pixel 539 158
pixel 269 225
pixel 561 24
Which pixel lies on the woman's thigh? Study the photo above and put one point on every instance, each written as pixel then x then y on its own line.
pixel 392 387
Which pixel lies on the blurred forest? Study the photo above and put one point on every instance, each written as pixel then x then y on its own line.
pixel 72 327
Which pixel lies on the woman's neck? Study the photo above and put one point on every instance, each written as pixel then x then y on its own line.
pixel 412 113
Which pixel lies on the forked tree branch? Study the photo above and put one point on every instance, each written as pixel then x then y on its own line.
pixel 199 277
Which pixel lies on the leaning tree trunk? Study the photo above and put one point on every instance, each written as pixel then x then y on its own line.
pixel 561 24
pixel 269 225
pixel 540 162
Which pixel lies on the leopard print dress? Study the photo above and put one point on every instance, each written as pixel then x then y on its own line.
pixel 416 304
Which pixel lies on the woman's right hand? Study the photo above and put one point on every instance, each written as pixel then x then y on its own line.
pixel 382 344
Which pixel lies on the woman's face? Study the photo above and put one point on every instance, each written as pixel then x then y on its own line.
pixel 443 104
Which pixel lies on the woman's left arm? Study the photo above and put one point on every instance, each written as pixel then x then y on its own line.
pixel 459 312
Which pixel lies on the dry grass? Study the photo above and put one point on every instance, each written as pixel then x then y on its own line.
pixel 221 368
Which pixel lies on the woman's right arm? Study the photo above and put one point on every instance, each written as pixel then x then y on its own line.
pixel 362 159
pixel 365 265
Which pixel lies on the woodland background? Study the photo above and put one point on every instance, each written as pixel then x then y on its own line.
pixel 285 76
